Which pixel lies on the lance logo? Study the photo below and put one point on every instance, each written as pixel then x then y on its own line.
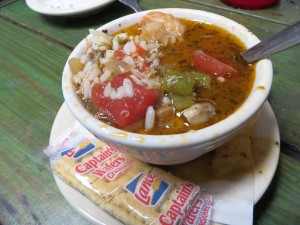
pixel 79 150
pixel 147 188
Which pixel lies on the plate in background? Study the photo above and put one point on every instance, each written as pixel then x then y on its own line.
pixel 66 7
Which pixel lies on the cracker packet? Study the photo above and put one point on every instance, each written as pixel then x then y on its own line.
pixel 131 191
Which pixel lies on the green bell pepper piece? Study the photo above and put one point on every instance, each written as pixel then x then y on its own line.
pixel 181 102
pixel 200 78
pixel 182 83
pixel 178 83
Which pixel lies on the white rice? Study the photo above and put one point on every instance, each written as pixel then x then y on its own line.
pixel 96 80
pixel 121 92
pixel 143 44
pixel 115 44
pixel 113 94
pixel 128 59
pixel 93 73
pixel 87 66
pixel 150 118
pixel 152 57
pixel 81 75
pixel 109 54
pixel 107 89
pixel 86 88
pixel 103 60
pixel 136 79
pixel 137 39
pixel 128 87
pixel 122 36
pixel 125 90
pixel 137 74
pixel 102 48
pixel 152 45
pixel 152 83
pixel 77 79
pixel 105 76
pixel 83 59
pixel 98 60
pixel 155 62
pixel 129 48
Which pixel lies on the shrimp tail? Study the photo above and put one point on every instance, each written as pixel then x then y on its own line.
pixel 162 28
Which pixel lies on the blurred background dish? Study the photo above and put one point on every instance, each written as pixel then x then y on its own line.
pixel 250 4
pixel 66 7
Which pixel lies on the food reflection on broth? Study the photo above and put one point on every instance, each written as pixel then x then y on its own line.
pixel 162 75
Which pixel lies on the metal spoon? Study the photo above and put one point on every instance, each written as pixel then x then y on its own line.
pixel 132 4
pixel 282 40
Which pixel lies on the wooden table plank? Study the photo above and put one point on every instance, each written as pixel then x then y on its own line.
pixel 280 204
pixel 284 96
pixel 28 193
pixel 66 30
pixel 285 12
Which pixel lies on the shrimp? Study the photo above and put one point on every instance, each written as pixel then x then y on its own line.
pixel 162 28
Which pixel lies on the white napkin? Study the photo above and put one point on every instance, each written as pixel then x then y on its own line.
pixel 233 201
pixel 233 195
pixel 226 174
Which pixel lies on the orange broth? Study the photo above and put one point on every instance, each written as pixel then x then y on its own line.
pixel 227 96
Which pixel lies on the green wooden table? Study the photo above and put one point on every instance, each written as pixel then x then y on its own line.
pixel 33 51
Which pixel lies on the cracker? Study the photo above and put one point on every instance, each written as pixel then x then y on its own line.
pixel 81 184
pixel 130 190
pixel 113 187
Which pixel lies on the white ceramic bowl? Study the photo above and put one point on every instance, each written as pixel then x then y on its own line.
pixel 177 148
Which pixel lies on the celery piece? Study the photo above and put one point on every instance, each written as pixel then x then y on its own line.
pixel 200 78
pixel 178 83
pixel 181 102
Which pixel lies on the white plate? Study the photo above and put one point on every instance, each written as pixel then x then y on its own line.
pixel 66 7
pixel 265 162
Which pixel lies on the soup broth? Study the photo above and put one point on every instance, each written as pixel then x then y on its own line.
pixel 224 94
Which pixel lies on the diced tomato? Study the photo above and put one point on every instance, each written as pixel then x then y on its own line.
pixel 127 110
pixel 119 55
pixel 145 67
pixel 141 51
pixel 204 63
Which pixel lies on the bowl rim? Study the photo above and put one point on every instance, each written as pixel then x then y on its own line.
pixel 259 93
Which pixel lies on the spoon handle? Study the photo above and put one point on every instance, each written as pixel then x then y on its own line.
pixel 282 40
pixel 132 4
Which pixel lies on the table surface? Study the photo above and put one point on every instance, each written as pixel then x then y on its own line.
pixel 33 51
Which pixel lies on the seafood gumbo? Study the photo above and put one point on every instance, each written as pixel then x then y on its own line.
pixel 163 75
